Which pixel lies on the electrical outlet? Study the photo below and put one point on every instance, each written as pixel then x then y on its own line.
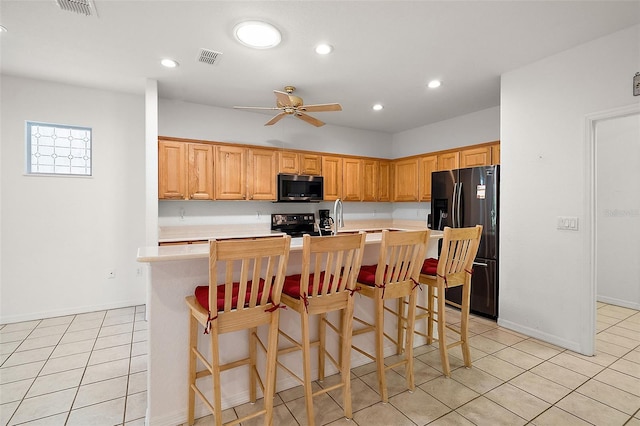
pixel 568 223
pixel 636 84
pixel 139 271
pixel 111 273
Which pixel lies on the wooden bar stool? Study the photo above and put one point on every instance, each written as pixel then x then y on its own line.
pixel 330 266
pixel 394 277
pixel 253 274
pixel 452 269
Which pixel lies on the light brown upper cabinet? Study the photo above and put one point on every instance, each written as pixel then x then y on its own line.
pixel 185 171
pixel 428 165
pixel 475 157
pixel 172 184
pixel 495 153
pixel 351 179
pixel 370 179
pixel 231 172
pixel 332 173
pixel 200 171
pixel 384 180
pixel 297 163
pixel 262 174
pixel 449 160
pixel 405 180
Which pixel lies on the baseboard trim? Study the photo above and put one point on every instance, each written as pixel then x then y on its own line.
pixel 618 302
pixel 549 338
pixel 69 311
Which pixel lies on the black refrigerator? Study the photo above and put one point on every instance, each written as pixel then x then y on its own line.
pixel 468 197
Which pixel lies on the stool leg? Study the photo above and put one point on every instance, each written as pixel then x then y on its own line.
pixel 408 348
pixel 464 326
pixel 271 367
pixel 306 362
pixel 401 325
pixel 253 348
pixel 215 373
pixel 193 343
pixel 345 356
pixel 430 296
pixel 382 379
pixel 442 335
pixel 322 335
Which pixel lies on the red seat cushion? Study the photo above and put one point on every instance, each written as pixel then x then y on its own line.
pixel 292 285
pixel 430 266
pixel 202 295
pixel 367 274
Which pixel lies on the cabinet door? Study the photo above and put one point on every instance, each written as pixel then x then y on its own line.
pixel 231 173
pixel 262 174
pixel 475 157
pixel 495 154
pixel 405 182
pixel 352 179
pixel 428 165
pixel 449 161
pixel 200 171
pixel 370 180
pixel 288 163
pixel 332 173
pixel 310 164
pixel 384 181
pixel 172 176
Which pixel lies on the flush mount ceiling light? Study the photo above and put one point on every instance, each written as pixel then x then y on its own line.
pixel 434 83
pixel 324 49
pixel 3 29
pixel 257 34
pixel 377 107
pixel 169 63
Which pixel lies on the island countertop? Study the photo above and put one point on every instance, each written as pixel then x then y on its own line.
pixel 204 233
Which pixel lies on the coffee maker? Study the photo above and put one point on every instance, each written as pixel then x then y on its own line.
pixel 325 220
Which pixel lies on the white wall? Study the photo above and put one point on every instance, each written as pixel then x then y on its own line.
pixel 544 272
pixel 469 129
pixel 60 235
pixel 618 211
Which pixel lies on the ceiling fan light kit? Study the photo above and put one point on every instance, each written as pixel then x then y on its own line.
pixel 289 104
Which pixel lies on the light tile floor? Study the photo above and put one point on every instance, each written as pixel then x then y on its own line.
pixel 90 369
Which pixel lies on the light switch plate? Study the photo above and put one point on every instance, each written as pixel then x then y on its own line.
pixel 568 223
pixel 636 84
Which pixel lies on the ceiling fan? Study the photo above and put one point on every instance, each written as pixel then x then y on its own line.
pixel 289 104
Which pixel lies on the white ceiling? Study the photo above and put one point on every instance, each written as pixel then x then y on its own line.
pixel 384 51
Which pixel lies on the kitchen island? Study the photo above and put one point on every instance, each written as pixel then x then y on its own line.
pixel 173 273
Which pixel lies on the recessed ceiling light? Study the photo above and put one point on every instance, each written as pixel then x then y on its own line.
pixel 257 34
pixel 169 63
pixel 3 29
pixel 323 49
pixel 377 107
pixel 434 83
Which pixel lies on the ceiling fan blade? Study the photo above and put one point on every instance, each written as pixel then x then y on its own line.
pixel 283 98
pixel 321 107
pixel 309 119
pixel 275 119
pixel 250 107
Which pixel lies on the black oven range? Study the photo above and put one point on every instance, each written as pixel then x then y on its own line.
pixel 295 224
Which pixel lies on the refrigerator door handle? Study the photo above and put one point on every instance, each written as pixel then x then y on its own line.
pixel 480 264
pixel 453 205
pixel 458 205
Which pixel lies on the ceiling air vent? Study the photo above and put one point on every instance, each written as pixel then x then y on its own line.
pixel 209 56
pixel 83 7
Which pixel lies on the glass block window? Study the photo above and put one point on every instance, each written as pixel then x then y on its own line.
pixel 56 149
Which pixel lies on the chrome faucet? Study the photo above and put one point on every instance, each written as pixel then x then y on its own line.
pixel 338 215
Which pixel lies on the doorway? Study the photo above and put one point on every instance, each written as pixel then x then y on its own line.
pixel 613 154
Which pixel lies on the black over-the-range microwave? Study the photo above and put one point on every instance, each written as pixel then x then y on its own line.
pixel 300 188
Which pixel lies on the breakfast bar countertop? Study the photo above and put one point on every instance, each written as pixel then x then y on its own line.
pixel 206 232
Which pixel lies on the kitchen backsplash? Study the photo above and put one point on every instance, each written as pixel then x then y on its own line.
pixel 177 213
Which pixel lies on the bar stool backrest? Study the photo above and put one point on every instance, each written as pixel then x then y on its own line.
pixel 459 250
pixel 401 257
